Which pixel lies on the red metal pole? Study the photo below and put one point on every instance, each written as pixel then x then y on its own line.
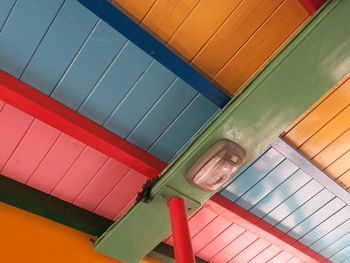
pixel 181 233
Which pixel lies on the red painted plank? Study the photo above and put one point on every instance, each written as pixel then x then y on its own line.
pixel 13 126
pixel 294 260
pixel 250 252
pixel 225 238
pixel 125 208
pixel 202 218
pixel 34 146
pixel 79 175
pixel 234 248
pixel 121 195
pixel 56 163
pixel 311 6
pixel 238 215
pixel 266 254
pixel 209 233
pixel 2 104
pixel 50 111
pixel 280 258
pixel 99 187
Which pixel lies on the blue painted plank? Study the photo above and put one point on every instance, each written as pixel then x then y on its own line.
pixel 331 237
pixel 103 44
pixel 182 129
pixel 122 74
pixel 306 193
pixel 337 248
pixel 281 193
pixel 326 226
pixel 136 34
pixel 279 174
pixel 252 175
pixel 23 32
pixel 147 90
pixel 5 10
pixel 162 114
pixel 343 256
pixel 317 217
pixel 62 42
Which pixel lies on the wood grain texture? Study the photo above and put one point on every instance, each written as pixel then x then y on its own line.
pixel 323 133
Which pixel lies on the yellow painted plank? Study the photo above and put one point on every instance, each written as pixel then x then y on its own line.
pixel 328 133
pixel 262 45
pixel 333 151
pixel 166 16
pixel 241 25
pixel 201 25
pixel 319 116
pixel 340 166
pixel 137 8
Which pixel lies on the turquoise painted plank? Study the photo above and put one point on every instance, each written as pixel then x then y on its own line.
pixel 162 114
pixel 326 226
pixel 5 10
pixel 61 44
pixel 337 248
pixel 147 90
pixel 122 74
pixel 304 211
pixel 23 31
pixel 272 180
pixel 97 53
pixel 243 182
pixel 331 237
pixel 281 193
pixel 183 128
pixel 293 202
pixel 314 219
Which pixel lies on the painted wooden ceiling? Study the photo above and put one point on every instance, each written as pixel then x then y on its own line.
pixel 228 42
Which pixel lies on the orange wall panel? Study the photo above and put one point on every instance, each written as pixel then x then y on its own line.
pixel 323 133
pixel 29 238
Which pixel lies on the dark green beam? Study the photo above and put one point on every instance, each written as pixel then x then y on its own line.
pixel 40 203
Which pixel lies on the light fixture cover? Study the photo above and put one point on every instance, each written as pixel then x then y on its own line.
pixel 216 166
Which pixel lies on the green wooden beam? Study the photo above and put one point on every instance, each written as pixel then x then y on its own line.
pixel 37 202
pixel 309 65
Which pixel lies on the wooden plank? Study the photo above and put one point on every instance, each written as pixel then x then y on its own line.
pixel 35 144
pixel 35 17
pixel 266 254
pixel 6 6
pixel 339 167
pixel 275 31
pixel 251 251
pixel 344 179
pixel 191 36
pixel 322 112
pixel 280 258
pixel 165 17
pixel 138 9
pixel 234 33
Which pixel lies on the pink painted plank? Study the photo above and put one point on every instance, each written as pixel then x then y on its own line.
pixel 294 260
pixel 266 255
pixel 13 125
pixel 105 180
pixel 125 208
pixel 202 218
pixel 2 104
pixel 56 163
pixel 234 248
pixel 281 258
pixel 121 194
pixel 220 242
pixel 79 175
pixel 209 232
pixel 251 251
pixel 34 146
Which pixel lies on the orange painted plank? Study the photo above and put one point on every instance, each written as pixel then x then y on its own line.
pixel 166 16
pixel 241 25
pixel 333 151
pixel 202 23
pixel 326 134
pixel 320 115
pixel 344 180
pixel 339 167
pixel 277 29
pixel 137 8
